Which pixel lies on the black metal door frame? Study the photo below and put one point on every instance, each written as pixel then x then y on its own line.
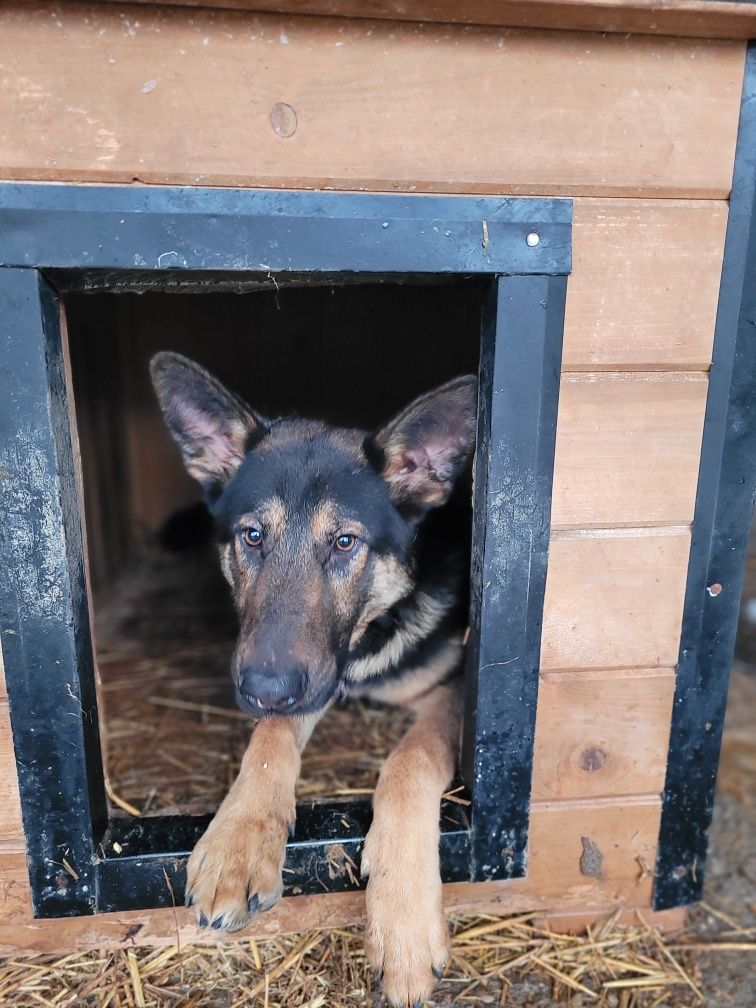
pixel 55 237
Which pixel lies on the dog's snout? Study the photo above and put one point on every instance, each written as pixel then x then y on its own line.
pixel 276 690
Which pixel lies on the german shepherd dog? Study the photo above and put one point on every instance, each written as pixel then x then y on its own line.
pixel 346 552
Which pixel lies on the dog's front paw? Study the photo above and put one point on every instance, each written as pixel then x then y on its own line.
pixel 235 869
pixel 407 940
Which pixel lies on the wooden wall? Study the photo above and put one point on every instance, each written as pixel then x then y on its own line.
pixel 642 131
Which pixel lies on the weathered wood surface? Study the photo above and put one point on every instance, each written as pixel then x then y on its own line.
pixel 11 830
pixel 624 833
pixel 628 448
pixel 105 92
pixel 614 599
pixel 643 291
pixel 602 735
pixel 697 18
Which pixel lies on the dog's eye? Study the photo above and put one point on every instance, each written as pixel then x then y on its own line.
pixel 346 543
pixel 252 537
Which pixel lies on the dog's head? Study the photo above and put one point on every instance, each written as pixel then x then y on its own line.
pixel 315 523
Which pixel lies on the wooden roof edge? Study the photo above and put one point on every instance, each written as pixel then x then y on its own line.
pixel 721 19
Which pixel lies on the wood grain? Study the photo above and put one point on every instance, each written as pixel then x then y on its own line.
pixel 624 833
pixel 11 829
pixel 666 921
pixel 614 600
pixel 628 449
pixel 698 18
pixel 643 292
pixel 600 737
pixel 105 92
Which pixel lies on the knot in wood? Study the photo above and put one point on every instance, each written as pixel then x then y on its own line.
pixel 283 119
pixel 592 758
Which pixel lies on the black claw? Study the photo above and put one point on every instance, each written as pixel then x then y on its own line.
pixel 217 924
pixel 377 976
pixel 188 899
pixel 292 830
pixel 253 903
pixel 416 1004
pixel 438 972
pixel 202 920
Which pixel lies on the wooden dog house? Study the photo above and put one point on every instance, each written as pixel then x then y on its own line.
pixel 580 176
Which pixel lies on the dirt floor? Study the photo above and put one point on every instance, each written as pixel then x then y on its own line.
pixel 162 683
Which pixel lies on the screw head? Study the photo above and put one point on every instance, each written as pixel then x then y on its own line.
pixel 532 239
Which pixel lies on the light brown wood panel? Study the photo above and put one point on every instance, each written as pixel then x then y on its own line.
pixel 644 286
pixel 614 599
pixel 625 834
pixel 699 18
pixel 112 93
pixel 627 449
pixel 11 829
pixel 600 737
pixel 666 921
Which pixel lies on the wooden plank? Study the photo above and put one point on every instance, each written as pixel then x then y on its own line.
pixel 666 921
pixel 631 302
pixel 614 599
pixel 624 832
pixel 627 450
pixel 697 18
pixel 601 737
pixel 11 829
pixel 372 104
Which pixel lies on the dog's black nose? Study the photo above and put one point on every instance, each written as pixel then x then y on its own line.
pixel 267 690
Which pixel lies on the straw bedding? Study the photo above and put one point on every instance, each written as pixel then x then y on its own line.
pixel 507 961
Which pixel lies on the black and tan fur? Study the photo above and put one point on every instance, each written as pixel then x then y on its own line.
pixel 346 553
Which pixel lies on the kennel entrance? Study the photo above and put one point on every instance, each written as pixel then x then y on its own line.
pixel 63 241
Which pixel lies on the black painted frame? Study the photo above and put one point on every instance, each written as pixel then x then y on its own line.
pixel 721 523
pixel 57 237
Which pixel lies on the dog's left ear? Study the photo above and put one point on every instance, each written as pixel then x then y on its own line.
pixel 422 451
pixel 212 427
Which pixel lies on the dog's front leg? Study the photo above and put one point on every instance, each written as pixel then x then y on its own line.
pixel 235 869
pixel 407 937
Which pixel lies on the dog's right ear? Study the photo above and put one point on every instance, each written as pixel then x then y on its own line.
pixel 212 427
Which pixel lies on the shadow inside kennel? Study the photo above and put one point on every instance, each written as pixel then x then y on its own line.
pixel 163 621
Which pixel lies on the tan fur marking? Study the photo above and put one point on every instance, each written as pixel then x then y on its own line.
pixel 390 583
pixel 225 562
pixel 342 589
pixel 405 691
pixel 324 521
pixel 271 515
pixel 415 627
pixel 242 851
pixel 406 935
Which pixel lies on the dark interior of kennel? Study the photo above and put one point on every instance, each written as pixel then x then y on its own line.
pixel 164 626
